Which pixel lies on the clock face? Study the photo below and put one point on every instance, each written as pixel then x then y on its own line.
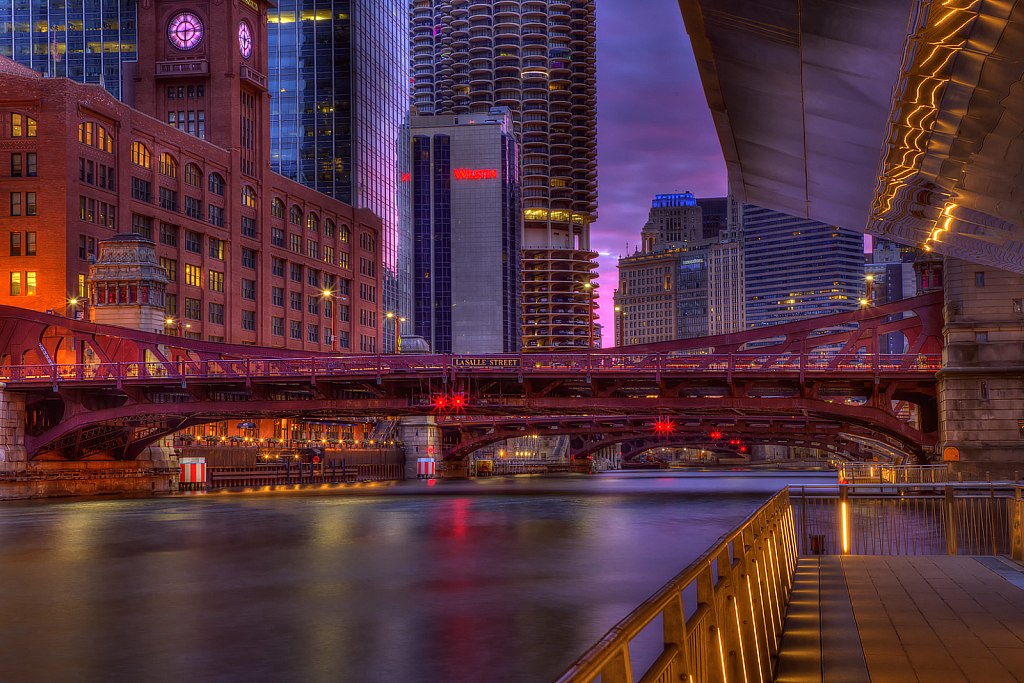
pixel 185 31
pixel 245 40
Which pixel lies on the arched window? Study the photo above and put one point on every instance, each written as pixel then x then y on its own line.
pixel 22 126
pixel 140 155
pixel 345 235
pixel 94 135
pixel 312 222
pixel 168 166
pixel 296 215
pixel 328 228
pixel 193 175
pixel 277 208
pixel 216 184
pixel 248 197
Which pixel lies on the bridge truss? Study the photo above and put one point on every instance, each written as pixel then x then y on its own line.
pixel 102 392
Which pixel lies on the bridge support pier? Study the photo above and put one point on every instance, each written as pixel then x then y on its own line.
pixel 422 439
pixel 981 384
pixel 12 426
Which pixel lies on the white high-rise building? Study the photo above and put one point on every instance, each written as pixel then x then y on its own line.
pixel 537 58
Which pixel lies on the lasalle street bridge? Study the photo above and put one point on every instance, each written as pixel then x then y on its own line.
pixel 78 391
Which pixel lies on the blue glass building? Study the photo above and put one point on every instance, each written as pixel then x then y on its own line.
pixel 797 268
pixel 339 77
pixel 88 42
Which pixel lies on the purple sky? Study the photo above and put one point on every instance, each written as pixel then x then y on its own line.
pixel 655 133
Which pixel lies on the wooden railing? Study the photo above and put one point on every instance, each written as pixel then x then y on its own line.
pixel 742 586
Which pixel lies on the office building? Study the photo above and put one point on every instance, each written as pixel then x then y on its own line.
pixel 687 279
pixel 537 59
pixel 92 42
pixel 250 257
pixel 339 117
pixel 797 268
pixel 467 223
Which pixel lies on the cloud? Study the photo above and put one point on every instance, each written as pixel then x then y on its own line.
pixel 655 133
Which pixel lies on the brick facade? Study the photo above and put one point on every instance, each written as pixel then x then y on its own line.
pixel 242 253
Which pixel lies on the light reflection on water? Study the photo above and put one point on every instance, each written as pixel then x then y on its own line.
pixel 502 579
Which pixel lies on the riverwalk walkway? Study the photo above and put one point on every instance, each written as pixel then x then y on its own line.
pixel 904 619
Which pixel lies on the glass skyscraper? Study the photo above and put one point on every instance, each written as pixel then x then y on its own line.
pixel 88 42
pixel 339 77
pixel 797 268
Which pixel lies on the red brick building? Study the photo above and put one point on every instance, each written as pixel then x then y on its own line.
pixel 252 257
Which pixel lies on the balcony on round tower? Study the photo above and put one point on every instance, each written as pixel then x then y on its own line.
pixel 127 286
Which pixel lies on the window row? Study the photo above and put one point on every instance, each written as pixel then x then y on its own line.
pixel 312 220
pixel 20 244
pixel 23 208
pixel 23 165
pixel 191 121
pixel 94 135
pixel 22 126
pixel 89 172
pixel 23 283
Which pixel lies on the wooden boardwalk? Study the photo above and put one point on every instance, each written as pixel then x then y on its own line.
pixel 904 619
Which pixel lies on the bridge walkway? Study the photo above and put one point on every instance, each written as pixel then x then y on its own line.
pixel 904 619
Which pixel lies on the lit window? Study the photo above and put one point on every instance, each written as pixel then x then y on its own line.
pixel 140 155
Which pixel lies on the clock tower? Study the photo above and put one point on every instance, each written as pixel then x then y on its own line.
pixel 202 69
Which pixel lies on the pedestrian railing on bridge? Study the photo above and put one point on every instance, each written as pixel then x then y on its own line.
pixel 743 583
pixel 248 368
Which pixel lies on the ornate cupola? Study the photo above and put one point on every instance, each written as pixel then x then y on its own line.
pixel 127 285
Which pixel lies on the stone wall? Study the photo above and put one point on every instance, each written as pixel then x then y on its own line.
pixel 981 384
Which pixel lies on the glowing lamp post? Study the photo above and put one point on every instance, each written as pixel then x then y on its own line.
pixel 398 338
pixel 619 326
pixel 328 295
pixel 869 279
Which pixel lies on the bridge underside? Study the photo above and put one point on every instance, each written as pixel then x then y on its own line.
pixel 721 434
pixel 901 118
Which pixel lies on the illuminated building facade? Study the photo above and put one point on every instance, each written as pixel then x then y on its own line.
pixel 250 257
pixel 88 42
pixel 339 116
pixel 467 223
pixel 797 268
pixel 688 279
pixel 538 59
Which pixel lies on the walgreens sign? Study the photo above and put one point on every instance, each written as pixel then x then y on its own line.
pixel 474 174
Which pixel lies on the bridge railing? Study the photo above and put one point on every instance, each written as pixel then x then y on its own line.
pixel 497 364
pixel 742 587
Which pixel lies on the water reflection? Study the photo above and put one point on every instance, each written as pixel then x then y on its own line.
pixel 412 582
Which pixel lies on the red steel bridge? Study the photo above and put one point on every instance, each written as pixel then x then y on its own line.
pixel 102 392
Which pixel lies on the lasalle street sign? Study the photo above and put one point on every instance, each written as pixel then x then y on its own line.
pixel 485 362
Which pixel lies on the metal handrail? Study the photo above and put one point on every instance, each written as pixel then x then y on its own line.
pixel 743 585
pixel 248 368
pixel 908 519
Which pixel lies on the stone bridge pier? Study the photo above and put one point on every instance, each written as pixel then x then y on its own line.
pixel 981 384
pixel 12 427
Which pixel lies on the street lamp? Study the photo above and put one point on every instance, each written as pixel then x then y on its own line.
pixel 328 294
pixel 73 304
pixel 618 325
pixel 869 278
pixel 398 339
pixel 590 316
pixel 176 324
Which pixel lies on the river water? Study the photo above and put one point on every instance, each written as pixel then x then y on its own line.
pixel 499 580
